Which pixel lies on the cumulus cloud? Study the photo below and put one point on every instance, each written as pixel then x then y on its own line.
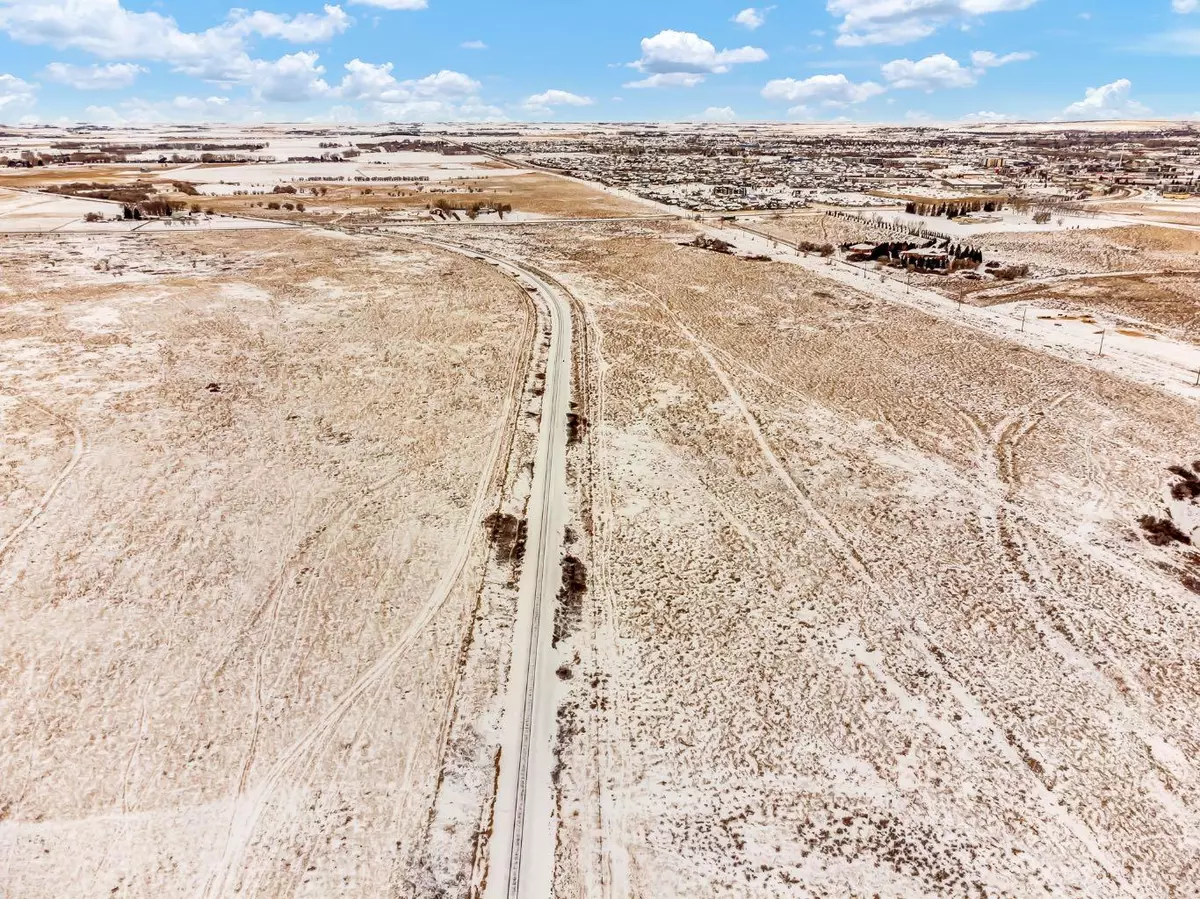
pixel 442 96
pixel 827 90
pixel 752 18
pixel 105 28
pixel 15 93
pixel 1109 101
pixel 719 114
pixel 1185 6
pixel 473 45
pixel 928 74
pixel 903 21
pixel 553 98
pixel 96 77
pixel 303 28
pixel 295 78
pixel 682 53
pixel 984 117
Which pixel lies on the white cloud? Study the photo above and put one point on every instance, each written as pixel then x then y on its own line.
pixel 983 117
pixel 14 92
pixel 682 52
pixel 95 78
pixel 928 74
pixel 105 28
pixel 553 98
pixel 394 4
pixel 902 21
pixel 1185 6
pixel 443 96
pixel 470 109
pixel 295 78
pixel 473 45
pixel 1110 101
pixel 669 79
pixel 719 114
pixel 986 59
pixel 304 28
pixel 368 81
pixel 828 90
pixel 752 18
pixel 138 111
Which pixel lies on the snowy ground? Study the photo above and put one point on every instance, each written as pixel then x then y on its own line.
pixel 870 610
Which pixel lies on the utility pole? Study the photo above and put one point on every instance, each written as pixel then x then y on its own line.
pixel 1024 316
pixel 1103 334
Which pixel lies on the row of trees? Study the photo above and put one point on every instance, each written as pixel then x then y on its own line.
pixel 952 209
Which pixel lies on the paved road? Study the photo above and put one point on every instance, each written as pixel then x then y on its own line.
pixel 521 864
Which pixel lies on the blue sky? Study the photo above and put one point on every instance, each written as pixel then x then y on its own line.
pixel 114 61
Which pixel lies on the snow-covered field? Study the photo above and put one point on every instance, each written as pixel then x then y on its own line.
pixel 871 610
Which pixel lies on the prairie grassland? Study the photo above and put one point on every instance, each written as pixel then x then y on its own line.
pixel 873 612
pixel 237 471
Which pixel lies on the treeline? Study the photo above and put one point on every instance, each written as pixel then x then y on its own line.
pixel 951 209
pixel 154 208
pixel 443 208
pixel 392 179
pixel 132 149
pixel 137 192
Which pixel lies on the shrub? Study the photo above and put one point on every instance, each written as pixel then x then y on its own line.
pixel 1011 272
pixel 272 205
pixel 93 217
pixel 159 208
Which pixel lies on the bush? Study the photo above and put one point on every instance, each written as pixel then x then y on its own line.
pixel 93 217
pixel 159 208
pixel 1011 272
pixel 272 205
pixel 299 207
pixel 185 187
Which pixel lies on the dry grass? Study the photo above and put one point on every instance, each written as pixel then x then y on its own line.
pixel 1167 301
pixel 531 193
pixel 884 618
pixel 262 452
